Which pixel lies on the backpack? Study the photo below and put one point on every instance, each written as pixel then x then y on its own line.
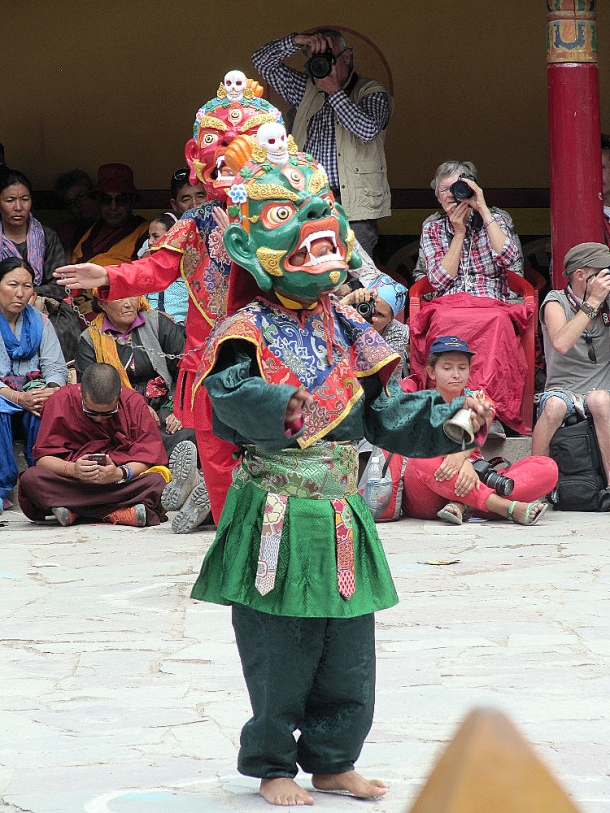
pixel 582 483
pixel 392 473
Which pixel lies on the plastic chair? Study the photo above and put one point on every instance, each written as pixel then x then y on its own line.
pixel 527 338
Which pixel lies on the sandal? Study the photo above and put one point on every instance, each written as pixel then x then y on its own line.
pixel 528 518
pixel 451 513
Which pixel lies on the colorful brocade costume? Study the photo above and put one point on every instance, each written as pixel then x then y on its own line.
pixel 294 522
pixel 192 249
pixel 296 379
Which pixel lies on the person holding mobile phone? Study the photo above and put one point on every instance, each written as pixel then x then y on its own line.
pixel 99 456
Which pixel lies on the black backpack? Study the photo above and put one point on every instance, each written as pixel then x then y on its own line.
pixel 582 483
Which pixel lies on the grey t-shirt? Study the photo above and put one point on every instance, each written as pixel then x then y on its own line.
pixel 575 371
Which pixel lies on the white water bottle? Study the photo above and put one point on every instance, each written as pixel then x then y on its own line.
pixel 373 484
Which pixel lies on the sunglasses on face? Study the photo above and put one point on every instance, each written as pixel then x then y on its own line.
pixel 120 200
pixel 99 414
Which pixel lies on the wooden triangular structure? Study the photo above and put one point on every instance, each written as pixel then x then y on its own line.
pixel 489 767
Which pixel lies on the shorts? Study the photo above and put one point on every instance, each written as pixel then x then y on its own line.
pixel 575 402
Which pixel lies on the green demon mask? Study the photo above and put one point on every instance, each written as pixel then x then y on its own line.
pixel 286 228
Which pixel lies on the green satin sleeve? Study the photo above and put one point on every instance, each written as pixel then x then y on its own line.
pixel 410 423
pixel 245 408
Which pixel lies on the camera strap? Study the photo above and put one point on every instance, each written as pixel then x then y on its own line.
pixel 499 461
pixel 575 303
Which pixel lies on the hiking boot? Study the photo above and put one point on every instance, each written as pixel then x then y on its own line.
pixel 134 515
pixel 64 516
pixel 194 511
pixel 183 466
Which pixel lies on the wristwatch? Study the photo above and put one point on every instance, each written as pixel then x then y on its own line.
pixel 589 310
pixel 125 476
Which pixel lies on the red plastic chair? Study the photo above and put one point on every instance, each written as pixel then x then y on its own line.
pixel 528 338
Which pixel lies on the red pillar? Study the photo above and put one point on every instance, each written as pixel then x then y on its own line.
pixel 574 128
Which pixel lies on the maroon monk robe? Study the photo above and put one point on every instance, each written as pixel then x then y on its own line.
pixel 66 432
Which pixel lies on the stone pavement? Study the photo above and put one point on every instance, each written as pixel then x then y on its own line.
pixel 122 695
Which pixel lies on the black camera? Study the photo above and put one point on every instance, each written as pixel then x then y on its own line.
pixel 320 65
pixel 487 474
pixel 367 309
pixel 460 189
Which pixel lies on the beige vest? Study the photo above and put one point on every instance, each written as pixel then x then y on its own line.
pixel 365 192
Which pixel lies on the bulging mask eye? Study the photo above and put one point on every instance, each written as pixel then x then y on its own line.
pixel 277 214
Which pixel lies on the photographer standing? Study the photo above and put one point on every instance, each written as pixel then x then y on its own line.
pixel 576 333
pixel 470 247
pixel 341 119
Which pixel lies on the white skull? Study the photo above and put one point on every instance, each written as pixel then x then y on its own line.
pixel 235 84
pixel 272 136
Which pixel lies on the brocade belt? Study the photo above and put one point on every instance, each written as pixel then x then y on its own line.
pixel 325 471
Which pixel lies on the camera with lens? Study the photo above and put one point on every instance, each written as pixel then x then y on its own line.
pixel 487 474
pixel 460 189
pixel 367 309
pixel 320 65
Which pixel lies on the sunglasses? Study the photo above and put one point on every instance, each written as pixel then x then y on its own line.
pixel 99 414
pixel 180 174
pixel 590 349
pixel 120 200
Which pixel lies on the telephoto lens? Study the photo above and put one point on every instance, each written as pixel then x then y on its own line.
pixel 503 486
pixel 320 65
pixel 460 189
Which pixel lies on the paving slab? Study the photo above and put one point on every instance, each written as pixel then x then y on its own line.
pixel 120 694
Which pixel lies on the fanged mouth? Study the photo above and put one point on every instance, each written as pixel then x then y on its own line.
pixel 318 252
pixel 222 175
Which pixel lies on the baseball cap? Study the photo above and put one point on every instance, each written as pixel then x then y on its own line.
pixel 586 255
pixel 448 344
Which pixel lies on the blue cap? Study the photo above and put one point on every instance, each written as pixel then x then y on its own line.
pixel 448 344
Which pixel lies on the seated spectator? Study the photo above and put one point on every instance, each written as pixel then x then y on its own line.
pixel 389 299
pixel 73 188
pixel 31 366
pixel 174 300
pixel 145 347
pixel 606 185
pixel 21 235
pixel 469 247
pixel 466 253
pixel 118 235
pixel 446 486
pixel 99 456
pixel 575 330
pixel 184 194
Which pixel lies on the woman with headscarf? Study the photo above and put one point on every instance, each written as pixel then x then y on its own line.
pixel 31 366
pixel 145 347
pixel 388 300
pixel 23 236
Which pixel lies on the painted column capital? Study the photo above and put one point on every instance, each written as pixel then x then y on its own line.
pixel 571 32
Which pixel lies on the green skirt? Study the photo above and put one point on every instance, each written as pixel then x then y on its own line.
pixel 306 576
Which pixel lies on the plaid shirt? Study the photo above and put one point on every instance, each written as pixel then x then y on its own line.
pixel 365 120
pixel 481 272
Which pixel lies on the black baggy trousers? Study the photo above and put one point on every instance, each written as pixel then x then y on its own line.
pixel 314 675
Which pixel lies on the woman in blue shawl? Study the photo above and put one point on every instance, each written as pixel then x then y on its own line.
pixel 31 366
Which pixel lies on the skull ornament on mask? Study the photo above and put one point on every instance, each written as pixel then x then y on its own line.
pixel 217 124
pixel 273 138
pixel 235 84
pixel 287 230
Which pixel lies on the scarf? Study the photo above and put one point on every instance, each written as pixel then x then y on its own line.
pixel 31 335
pixel 35 247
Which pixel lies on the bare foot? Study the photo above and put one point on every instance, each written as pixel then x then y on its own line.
pixel 350 782
pixel 284 791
